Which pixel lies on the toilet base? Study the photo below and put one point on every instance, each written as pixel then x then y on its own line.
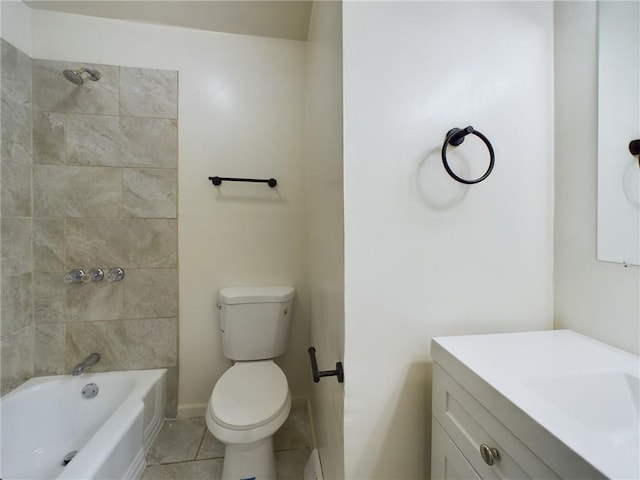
pixel 247 462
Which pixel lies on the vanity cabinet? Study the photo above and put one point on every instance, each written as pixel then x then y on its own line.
pixel 471 435
pixel 534 405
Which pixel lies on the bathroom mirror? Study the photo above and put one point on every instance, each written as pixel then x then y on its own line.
pixel 618 125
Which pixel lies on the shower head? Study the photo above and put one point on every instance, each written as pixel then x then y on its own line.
pixel 75 76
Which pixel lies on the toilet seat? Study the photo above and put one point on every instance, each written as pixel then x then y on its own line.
pixel 249 395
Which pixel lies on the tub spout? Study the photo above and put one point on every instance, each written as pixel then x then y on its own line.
pixel 87 363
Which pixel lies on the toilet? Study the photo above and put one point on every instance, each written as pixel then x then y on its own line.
pixel 251 400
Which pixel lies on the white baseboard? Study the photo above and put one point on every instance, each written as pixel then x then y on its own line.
pixel 313 470
pixel 192 410
pixel 189 410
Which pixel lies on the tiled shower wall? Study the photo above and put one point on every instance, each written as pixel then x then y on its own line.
pixel 104 195
pixel 16 310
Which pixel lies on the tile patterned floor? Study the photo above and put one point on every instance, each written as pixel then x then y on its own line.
pixel 185 450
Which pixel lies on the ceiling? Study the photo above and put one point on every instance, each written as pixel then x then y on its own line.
pixel 288 19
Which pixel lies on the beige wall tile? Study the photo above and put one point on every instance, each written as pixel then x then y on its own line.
pixel 16 189
pixel 16 359
pixel 75 137
pixel 121 141
pixel 104 140
pixel 53 93
pixel 77 191
pixel 94 301
pixel 149 193
pixel 16 309
pixel 148 93
pixel 48 244
pixel 49 347
pixel 59 302
pixel 49 138
pixel 49 297
pixel 16 245
pixel 151 293
pixel 127 243
pixel 124 344
pixel 16 131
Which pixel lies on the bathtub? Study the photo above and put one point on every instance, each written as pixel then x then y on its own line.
pixel 47 418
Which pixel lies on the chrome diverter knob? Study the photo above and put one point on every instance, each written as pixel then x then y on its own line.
pixel 75 276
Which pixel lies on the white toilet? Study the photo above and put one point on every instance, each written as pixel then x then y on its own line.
pixel 251 400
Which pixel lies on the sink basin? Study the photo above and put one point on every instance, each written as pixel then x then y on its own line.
pixel 608 402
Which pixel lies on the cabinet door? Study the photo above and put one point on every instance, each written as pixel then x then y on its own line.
pixel 447 462
pixel 469 425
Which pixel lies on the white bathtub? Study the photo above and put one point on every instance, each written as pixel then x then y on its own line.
pixel 46 418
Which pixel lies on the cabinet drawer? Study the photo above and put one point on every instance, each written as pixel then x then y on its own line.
pixel 447 462
pixel 470 425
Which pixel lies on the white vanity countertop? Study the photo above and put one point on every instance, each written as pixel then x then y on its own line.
pixel 584 392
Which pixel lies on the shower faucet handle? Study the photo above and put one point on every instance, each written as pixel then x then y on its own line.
pixel 95 274
pixel 76 275
pixel 115 274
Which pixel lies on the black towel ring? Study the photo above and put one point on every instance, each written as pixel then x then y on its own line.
pixel 455 137
pixel 634 149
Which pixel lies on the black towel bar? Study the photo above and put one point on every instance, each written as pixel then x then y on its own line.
pixel 272 182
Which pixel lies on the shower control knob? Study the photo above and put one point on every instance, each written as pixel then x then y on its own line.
pixel 95 274
pixel 115 274
pixel 75 276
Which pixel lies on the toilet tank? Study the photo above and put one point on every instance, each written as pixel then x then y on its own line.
pixel 255 321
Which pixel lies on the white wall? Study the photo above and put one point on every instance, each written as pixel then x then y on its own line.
pixel 15 24
pixel 599 299
pixel 326 230
pixel 618 214
pixel 425 256
pixel 241 113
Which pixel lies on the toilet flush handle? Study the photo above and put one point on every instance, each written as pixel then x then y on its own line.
pixel 219 307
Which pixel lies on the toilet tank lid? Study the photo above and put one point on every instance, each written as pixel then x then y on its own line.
pixel 238 295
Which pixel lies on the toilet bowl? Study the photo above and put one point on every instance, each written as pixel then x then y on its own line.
pixel 248 405
pixel 251 400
